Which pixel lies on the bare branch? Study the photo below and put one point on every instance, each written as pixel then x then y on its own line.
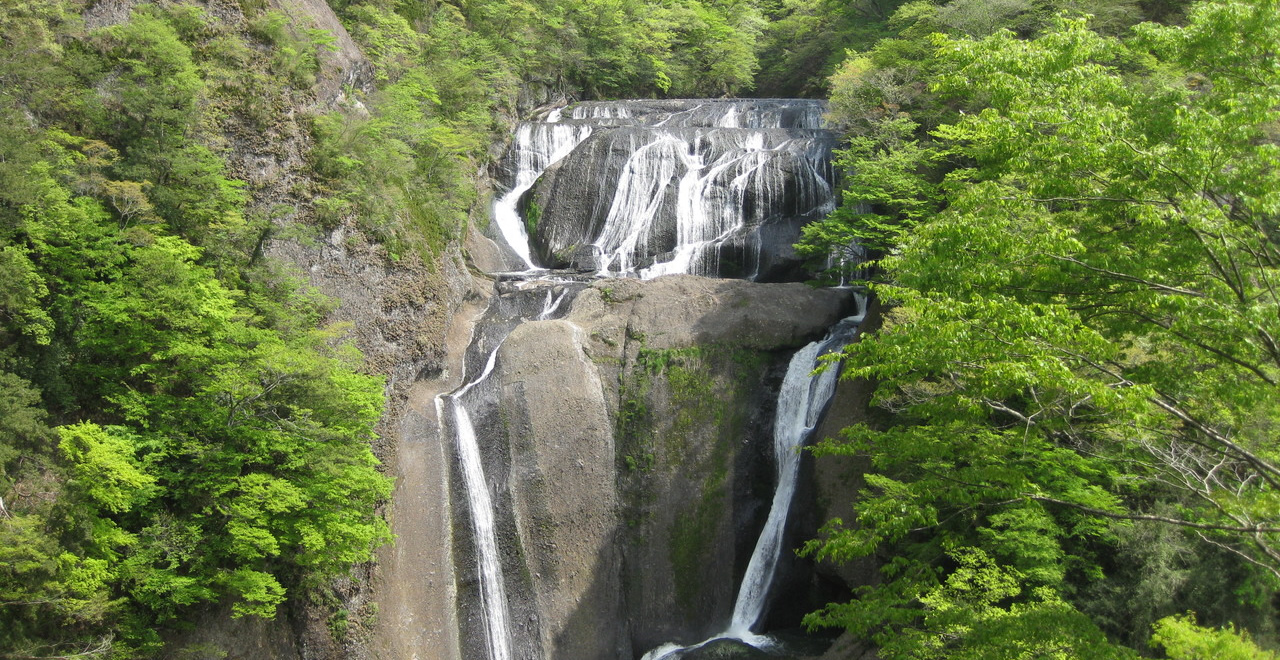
pixel 1161 519
pixel 1274 571
pixel 1129 278
pixel 1167 403
pixel 1122 200
pixel 97 648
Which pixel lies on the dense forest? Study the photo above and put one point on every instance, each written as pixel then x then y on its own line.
pixel 1071 208
pixel 1075 227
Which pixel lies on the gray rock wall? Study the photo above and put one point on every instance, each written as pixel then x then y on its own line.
pixel 563 478
pixel 631 441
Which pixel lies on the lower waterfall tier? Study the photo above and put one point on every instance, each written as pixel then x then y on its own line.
pixel 628 449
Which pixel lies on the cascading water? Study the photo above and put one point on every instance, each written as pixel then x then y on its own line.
pixel 636 204
pixel 671 187
pixel 535 147
pixel 643 189
pixel 493 596
pixel 801 401
pixel 712 203
pixel 508 311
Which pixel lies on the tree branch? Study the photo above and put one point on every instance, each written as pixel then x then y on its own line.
pixel 1130 278
pixel 1161 519
pixel 1234 551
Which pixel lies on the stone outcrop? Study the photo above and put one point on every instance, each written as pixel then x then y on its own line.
pixel 629 446
pixel 562 476
pixel 836 480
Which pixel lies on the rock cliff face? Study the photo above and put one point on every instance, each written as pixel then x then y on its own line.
pixel 699 363
pixel 400 314
pixel 624 427
pixel 628 443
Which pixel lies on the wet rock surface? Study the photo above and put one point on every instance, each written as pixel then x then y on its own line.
pixel 627 439
pixel 708 187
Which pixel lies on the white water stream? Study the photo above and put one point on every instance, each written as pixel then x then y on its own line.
pixel 493 596
pixel 536 146
pixel 714 186
pixel 729 166
pixel 801 402
pixel 720 195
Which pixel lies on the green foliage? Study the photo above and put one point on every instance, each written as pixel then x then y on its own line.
pixel 968 616
pixel 532 215
pixel 53 595
pixel 404 173
pixel 889 99
pixel 211 441
pixel 1182 639
pixel 20 304
pixel 616 48
pixel 805 40
pixel 151 106
pixel 1081 332
pixel 103 465
pixel 296 56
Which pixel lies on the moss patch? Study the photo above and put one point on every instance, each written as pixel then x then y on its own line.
pixel 690 549
pixel 682 419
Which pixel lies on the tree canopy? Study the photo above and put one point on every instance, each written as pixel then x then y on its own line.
pixel 1077 236
pixel 178 426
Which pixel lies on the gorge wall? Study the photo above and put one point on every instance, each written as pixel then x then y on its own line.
pixel 577 415
pixel 628 437
pixel 621 426
pixel 629 441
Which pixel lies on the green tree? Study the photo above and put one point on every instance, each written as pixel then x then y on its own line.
pixel 1182 639
pixel 1083 331
pixel 54 591
pixel 177 427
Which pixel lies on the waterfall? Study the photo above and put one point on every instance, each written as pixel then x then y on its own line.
pixel 493 596
pixel 734 182
pixel 552 304
pixel 724 199
pixel 636 203
pixel 535 147
pixel 523 302
pixel 643 189
pixel 801 401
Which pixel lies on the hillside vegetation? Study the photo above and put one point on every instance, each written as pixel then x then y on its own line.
pixel 1075 222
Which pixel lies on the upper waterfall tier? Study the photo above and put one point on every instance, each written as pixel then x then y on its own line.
pixel 700 113
pixel 647 188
